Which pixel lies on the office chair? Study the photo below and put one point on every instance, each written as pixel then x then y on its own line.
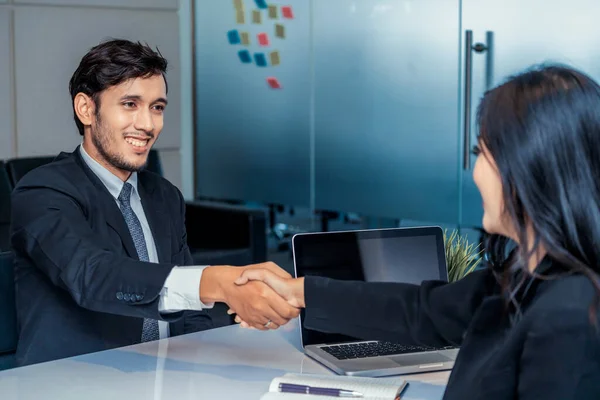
pixel 8 319
pixel 5 192
pixel 18 167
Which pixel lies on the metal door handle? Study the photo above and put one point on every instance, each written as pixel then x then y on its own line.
pixel 478 48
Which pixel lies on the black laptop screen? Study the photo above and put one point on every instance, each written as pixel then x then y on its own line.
pixel 391 255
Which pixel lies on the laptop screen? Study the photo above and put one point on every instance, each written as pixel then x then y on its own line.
pixel 409 255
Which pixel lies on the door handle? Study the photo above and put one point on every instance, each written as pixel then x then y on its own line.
pixel 469 49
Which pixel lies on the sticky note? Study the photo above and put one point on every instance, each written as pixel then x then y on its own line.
pixel 238 5
pixel 245 38
pixel 256 17
pixel 263 39
pixel 273 12
pixel 240 17
pixel 260 60
pixel 233 36
pixel 275 58
pixel 287 12
pixel 273 82
pixel 245 56
pixel 280 31
pixel 261 4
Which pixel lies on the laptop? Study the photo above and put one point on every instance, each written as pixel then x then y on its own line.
pixel 409 255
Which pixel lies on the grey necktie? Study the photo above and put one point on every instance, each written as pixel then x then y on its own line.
pixel 150 327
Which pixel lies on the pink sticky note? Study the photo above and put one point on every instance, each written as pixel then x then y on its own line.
pixel 273 82
pixel 287 12
pixel 263 39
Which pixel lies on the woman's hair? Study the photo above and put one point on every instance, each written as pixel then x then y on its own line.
pixel 542 128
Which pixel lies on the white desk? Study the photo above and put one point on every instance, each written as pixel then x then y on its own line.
pixel 220 364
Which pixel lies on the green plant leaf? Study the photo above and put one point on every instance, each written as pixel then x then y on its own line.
pixel 462 257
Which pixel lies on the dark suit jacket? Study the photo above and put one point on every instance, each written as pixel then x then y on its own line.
pixel 551 352
pixel 80 287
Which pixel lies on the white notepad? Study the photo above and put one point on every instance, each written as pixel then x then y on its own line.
pixel 371 388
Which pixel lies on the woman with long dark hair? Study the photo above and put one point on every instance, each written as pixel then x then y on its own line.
pixel 528 323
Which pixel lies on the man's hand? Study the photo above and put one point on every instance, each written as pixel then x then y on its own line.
pixel 255 303
pixel 292 290
pixel 270 266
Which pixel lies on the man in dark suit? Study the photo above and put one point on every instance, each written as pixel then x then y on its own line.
pixel 100 244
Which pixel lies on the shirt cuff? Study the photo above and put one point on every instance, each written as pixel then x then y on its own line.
pixel 182 290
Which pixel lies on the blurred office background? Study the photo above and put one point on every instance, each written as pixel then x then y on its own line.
pixel 373 124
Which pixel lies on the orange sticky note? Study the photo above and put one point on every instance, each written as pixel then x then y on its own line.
pixel 273 83
pixel 263 39
pixel 287 12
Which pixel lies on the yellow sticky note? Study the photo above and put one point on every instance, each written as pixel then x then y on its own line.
pixel 280 31
pixel 245 38
pixel 275 58
pixel 239 17
pixel 238 4
pixel 256 17
pixel 273 12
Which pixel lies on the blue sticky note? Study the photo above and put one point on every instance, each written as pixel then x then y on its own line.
pixel 234 37
pixel 261 4
pixel 260 59
pixel 245 56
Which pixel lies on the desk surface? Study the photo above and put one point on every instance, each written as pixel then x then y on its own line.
pixel 225 363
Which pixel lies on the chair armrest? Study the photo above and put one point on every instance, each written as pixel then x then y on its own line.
pixel 212 225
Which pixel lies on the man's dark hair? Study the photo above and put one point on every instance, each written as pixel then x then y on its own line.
pixel 111 63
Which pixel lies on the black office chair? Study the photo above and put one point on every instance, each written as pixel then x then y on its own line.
pixel 8 319
pixel 18 167
pixel 5 191
pixel 154 163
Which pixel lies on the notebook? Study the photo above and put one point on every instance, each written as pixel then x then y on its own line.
pixel 371 388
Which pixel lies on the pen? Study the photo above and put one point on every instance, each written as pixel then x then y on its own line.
pixel 290 388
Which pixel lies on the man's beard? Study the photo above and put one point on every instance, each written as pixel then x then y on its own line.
pixel 101 137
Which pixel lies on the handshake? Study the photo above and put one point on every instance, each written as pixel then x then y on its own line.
pixel 263 296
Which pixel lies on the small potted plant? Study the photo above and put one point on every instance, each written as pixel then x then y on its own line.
pixel 462 258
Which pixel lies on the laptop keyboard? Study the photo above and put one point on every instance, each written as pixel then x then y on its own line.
pixel 371 349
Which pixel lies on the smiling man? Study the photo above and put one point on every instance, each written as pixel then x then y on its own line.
pixel 100 243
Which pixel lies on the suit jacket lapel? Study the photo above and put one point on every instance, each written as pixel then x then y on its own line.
pixel 158 219
pixel 114 218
